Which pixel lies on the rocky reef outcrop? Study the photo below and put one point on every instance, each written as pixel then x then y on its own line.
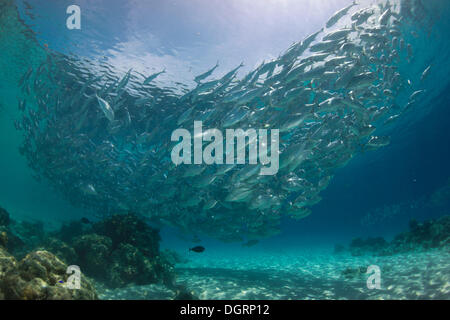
pixel 92 253
pixel 374 246
pixel 23 237
pixel 117 251
pixel 121 250
pixel 425 235
pixel 40 275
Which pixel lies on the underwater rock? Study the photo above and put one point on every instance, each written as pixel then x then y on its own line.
pixel 4 217
pixel 70 231
pixel 123 250
pixel 18 238
pixel 3 237
pixel 118 251
pixel 61 249
pixel 129 228
pixel 413 224
pixel 25 236
pixel 7 262
pixel 375 246
pixel 34 231
pixel 129 265
pixel 165 270
pixel 38 276
pixel 353 273
pixel 429 234
pixel 425 235
pixel 183 293
pixel 93 253
pixel 14 244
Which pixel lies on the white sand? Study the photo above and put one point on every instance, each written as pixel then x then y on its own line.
pixel 417 275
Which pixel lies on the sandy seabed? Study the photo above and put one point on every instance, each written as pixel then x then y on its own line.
pixel 305 276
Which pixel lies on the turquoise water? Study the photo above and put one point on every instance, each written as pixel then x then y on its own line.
pixel 72 159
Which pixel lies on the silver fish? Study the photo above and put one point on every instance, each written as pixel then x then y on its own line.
pixel 106 108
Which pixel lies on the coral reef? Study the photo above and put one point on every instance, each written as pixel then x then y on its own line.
pixel 118 251
pixel 24 236
pixel 70 230
pixel 425 235
pixel 39 276
pixel 123 250
pixel 420 236
pixel 93 252
pixel 375 246
pixel 4 222
pixel 7 262
pixel 3 236
pixel 132 230
pixel 62 250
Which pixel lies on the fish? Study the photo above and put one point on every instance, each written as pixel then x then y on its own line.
pixel 239 195
pixel 309 39
pixel 339 15
pixel 391 119
pixel 362 80
pixel 210 204
pixel 415 94
pixel 362 15
pixel 193 171
pixel 383 19
pixel 425 73
pixel 89 190
pixel 85 220
pixel 328 46
pixel 124 80
pixel 152 77
pixel 377 142
pixel 205 75
pixel 328 95
pixel 337 35
pixel 293 122
pixel 106 109
pixel 250 243
pixel 228 76
pixel 198 249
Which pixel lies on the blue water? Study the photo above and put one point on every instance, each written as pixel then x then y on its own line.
pixel 189 37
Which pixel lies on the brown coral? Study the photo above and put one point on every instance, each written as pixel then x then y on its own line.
pixel 41 276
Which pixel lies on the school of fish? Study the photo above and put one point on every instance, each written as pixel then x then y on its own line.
pixel 104 141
